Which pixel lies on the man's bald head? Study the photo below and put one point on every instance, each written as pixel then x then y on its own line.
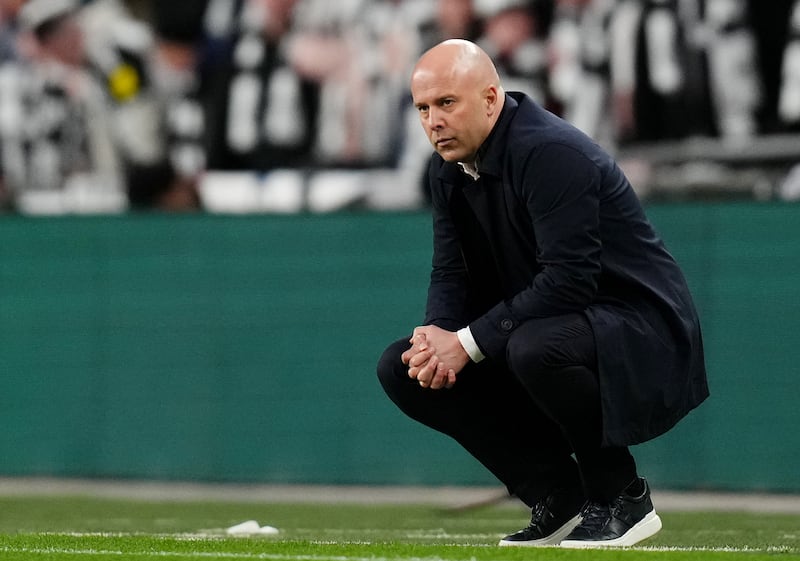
pixel 458 57
pixel 457 92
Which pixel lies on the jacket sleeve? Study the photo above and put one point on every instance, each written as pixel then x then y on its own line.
pixel 560 188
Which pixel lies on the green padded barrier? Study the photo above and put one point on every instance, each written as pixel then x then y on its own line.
pixel 227 348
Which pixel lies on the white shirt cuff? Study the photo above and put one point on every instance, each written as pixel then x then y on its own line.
pixel 468 342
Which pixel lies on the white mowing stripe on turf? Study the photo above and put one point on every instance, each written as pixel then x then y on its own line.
pixel 211 555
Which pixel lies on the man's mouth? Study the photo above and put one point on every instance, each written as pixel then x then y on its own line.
pixel 443 142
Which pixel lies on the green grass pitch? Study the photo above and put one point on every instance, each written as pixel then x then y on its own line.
pixel 70 528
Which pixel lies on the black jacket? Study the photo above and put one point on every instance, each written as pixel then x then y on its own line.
pixel 553 227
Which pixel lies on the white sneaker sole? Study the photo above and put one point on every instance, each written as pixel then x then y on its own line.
pixel 553 539
pixel 646 527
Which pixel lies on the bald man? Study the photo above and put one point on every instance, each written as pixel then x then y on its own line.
pixel 558 329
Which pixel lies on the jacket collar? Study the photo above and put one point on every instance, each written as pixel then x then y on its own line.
pixel 490 155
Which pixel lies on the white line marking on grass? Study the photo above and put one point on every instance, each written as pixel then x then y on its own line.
pixel 339 535
pixel 722 549
pixel 208 554
pixel 309 557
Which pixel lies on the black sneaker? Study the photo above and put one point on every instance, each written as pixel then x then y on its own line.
pixel 552 518
pixel 624 521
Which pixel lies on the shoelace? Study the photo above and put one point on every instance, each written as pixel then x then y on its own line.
pixel 595 515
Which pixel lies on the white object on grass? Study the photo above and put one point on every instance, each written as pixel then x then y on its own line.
pixel 250 528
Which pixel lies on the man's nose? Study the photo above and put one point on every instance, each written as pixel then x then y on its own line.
pixel 434 119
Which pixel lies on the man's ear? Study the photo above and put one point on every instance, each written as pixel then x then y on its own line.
pixel 491 98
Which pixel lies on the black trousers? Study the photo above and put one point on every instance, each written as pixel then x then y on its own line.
pixel 534 420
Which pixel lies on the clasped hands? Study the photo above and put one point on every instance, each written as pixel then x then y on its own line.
pixel 435 357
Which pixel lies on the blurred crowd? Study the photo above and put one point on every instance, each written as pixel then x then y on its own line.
pixel 110 105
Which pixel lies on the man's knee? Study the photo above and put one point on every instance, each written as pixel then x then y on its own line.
pixel 390 366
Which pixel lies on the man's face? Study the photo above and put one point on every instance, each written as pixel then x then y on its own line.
pixel 453 112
